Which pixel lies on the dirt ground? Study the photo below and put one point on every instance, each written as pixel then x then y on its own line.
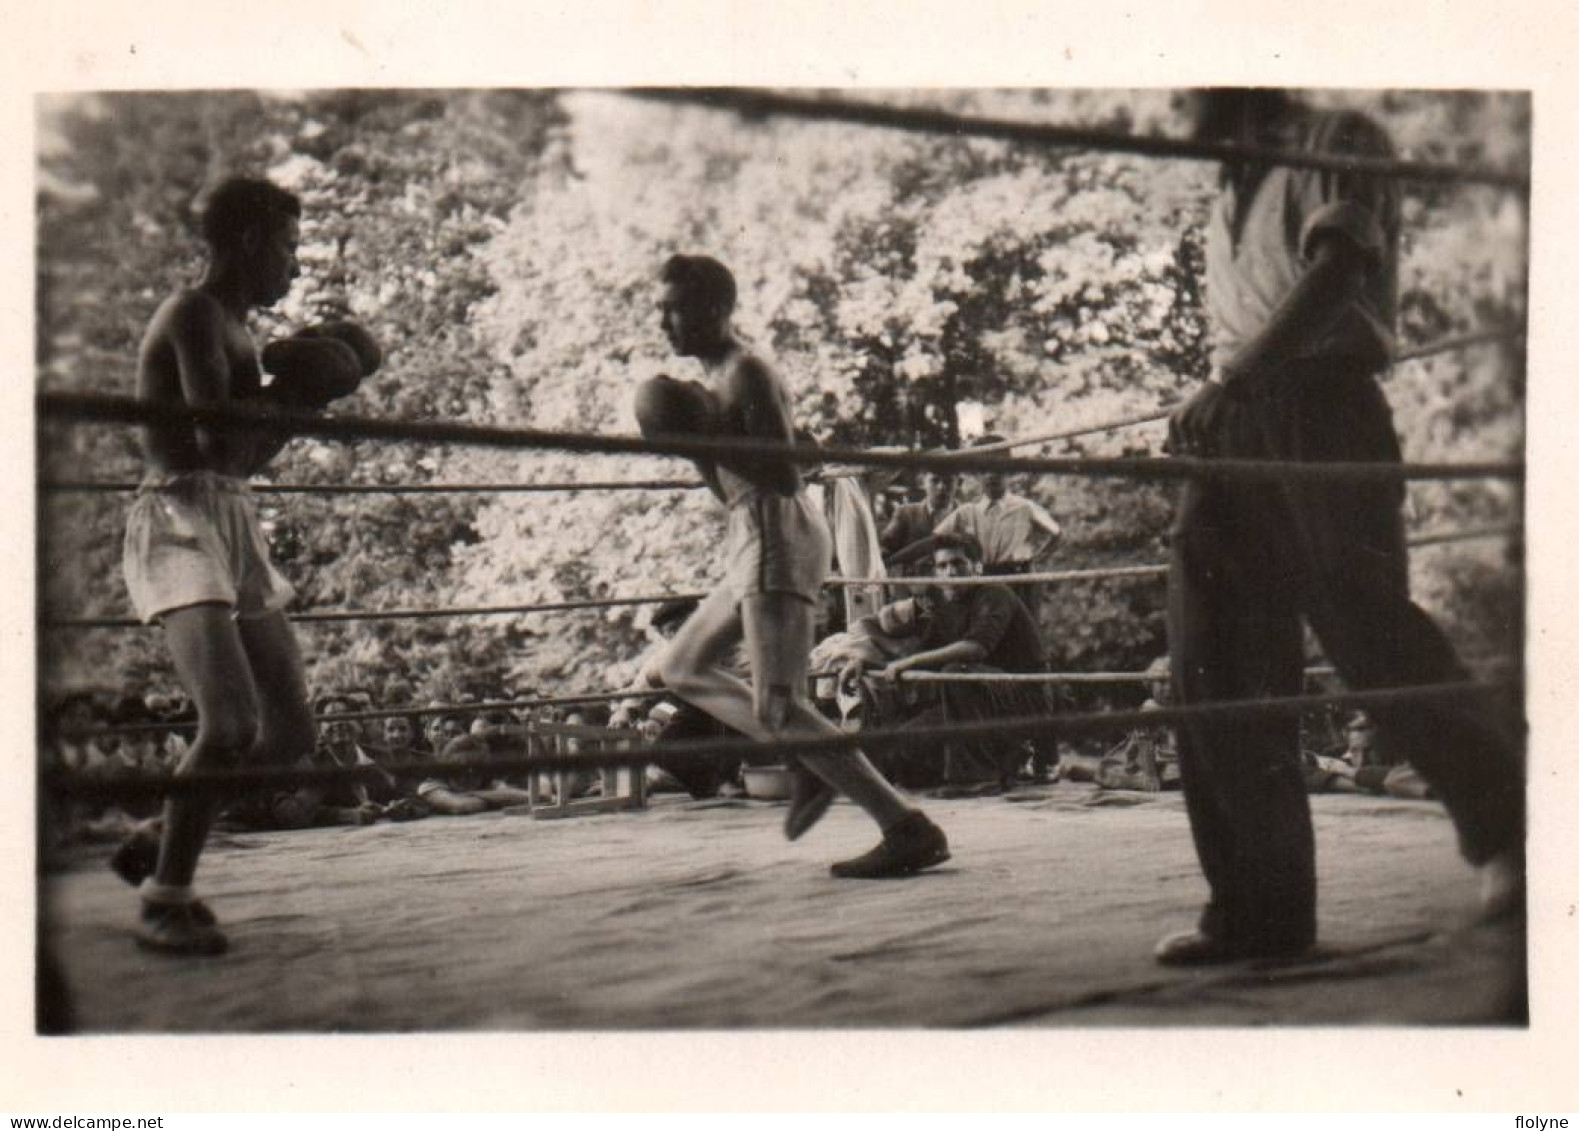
pixel 698 915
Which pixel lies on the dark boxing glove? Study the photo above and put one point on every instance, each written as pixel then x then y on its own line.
pixel 666 407
pixel 310 372
pixel 368 353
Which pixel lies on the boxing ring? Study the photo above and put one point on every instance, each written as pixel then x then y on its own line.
pixel 695 914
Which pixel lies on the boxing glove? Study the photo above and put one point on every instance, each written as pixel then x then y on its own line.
pixel 666 407
pixel 310 372
pixel 368 353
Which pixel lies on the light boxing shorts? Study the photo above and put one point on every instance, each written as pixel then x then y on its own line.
pixel 193 538
pixel 776 544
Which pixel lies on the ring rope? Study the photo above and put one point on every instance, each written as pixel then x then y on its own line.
pixel 1051 576
pixel 1442 345
pixel 761 104
pixel 435 710
pixel 408 488
pixel 1113 677
pixel 127 410
pixel 335 616
pixel 1429 349
pixel 1102 573
pixel 72 783
pixel 1071 433
pixel 478 708
pixel 1461 341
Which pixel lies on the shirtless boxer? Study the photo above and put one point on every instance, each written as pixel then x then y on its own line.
pixel 195 558
pixel 777 551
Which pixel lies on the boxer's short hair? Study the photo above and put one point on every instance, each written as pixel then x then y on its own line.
pixel 239 204
pixel 703 278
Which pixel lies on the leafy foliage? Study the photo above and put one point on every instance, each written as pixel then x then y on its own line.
pixel 504 246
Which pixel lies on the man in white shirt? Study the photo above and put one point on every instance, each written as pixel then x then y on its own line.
pixel 1013 532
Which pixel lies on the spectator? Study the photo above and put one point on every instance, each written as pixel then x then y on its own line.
pixel 444 729
pixel 911 522
pixel 1148 757
pixel 181 716
pixel 69 746
pixel 137 755
pixel 343 801
pixel 400 740
pixel 1011 530
pixel 1361 766
pixel 455 790
pixel 971 629
pixel 866 703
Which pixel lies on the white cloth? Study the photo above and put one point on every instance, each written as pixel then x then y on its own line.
pixel 857 548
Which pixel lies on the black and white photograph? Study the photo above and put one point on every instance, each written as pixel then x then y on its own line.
pixel 1011 558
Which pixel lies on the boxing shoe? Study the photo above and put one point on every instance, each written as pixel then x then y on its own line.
pixel 810 799
pixel 911 845
pixel 137 857
pixel 179 928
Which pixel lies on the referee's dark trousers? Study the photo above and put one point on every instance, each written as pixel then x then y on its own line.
pixel 1249 560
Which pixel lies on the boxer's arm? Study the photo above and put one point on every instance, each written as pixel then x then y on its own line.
pixel 198 339
pixel 263 445
pixel 916 551
pixel 959 652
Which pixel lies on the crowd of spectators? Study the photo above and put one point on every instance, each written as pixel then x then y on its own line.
pixel 82 736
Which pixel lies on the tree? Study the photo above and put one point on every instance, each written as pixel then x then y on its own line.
pixel 504 246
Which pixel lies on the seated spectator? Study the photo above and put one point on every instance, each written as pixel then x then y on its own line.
pixel 585 783
pixel 136 755
pixel 70 746
pixel 668 719
pixel 869 703
pixel 1361 766
pixel 444 729
pixel 343 801
pixel 504 736
pixel 400 741
pixel 493 721
pixel 340 744
pixel 1335 770
pixel 457 790
pixel 179 714
pixel 1148 757
pixel 967 629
